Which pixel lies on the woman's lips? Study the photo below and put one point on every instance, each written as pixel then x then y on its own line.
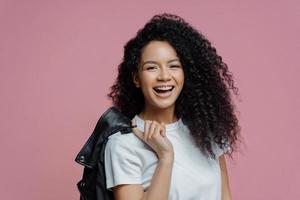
pixel 164 94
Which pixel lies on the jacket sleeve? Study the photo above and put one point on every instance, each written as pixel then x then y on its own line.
pixel 122 165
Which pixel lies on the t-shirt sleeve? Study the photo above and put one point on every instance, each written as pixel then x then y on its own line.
pixel 122 165
pixel 219 151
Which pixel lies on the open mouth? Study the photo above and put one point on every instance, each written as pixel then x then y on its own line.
pixel 164 89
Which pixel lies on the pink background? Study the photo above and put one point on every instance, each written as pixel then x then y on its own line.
pixel 59 58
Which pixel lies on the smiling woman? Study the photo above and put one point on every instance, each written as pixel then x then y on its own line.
pixel 160 77
pixel 176 89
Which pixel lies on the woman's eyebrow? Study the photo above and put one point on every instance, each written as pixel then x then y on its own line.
pixel 154 62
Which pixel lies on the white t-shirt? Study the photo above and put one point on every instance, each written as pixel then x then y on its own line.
pixel 128 160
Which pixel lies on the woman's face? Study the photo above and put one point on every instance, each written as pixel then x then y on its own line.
pixel 160 75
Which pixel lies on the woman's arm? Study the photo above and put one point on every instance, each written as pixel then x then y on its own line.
pixel 158 189
pixel 155 137
pixel 226 194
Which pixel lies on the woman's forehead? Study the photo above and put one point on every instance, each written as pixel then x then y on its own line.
pixel 158 51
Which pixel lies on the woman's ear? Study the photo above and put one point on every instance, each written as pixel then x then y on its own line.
pixel 135 79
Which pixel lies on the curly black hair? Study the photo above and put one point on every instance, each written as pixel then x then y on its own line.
pixel 205 103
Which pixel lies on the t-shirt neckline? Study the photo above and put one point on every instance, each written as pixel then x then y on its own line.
pixel 171 126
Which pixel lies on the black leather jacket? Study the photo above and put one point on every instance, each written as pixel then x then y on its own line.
pixel 92 186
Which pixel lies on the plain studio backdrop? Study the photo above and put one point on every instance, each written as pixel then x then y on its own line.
pixel 58 59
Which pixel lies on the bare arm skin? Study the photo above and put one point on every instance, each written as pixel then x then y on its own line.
pixel 155 137
pixel 226 194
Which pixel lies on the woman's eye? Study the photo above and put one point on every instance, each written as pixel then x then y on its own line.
pixel 149 68
pixel 175 66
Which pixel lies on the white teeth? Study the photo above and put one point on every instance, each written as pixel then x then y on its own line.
pixel 164 87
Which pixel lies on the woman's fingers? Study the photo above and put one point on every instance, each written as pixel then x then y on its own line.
pixel 163 131
pixel 151 130
pixel 136 131
pixel 155 137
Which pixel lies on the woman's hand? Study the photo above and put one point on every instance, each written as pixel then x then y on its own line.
pixel 155 136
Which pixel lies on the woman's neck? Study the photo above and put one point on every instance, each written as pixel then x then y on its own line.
pixel 165 116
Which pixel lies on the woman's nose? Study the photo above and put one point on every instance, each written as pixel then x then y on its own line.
pixel 164 74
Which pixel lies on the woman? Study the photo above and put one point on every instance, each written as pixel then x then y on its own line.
pixel 176 89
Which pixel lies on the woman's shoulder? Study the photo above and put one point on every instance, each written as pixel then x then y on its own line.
pixel 118 141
